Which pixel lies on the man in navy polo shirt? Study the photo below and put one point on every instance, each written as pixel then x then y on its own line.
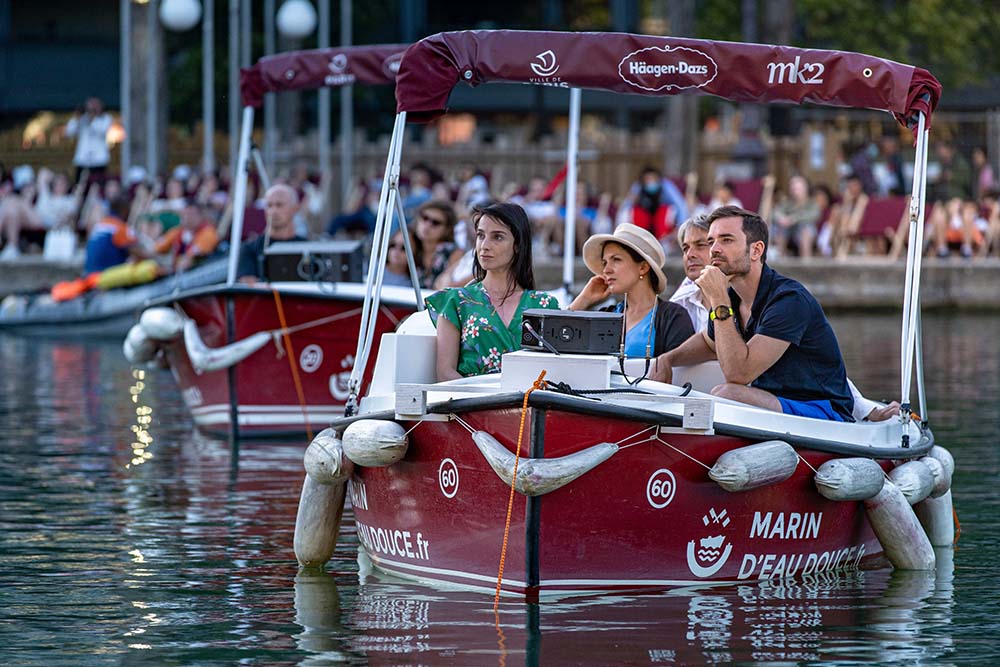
pixel 766 330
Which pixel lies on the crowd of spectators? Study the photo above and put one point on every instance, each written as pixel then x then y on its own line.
pixel 866 214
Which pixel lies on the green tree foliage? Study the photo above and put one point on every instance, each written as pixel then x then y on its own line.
pixel 954 39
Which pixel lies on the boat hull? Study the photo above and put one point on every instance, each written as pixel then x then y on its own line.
pixel 261 389
pixel 648 517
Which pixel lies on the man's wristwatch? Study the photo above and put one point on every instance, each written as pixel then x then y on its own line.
pixel 721 313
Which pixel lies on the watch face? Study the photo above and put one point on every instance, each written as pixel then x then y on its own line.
pixel 723 312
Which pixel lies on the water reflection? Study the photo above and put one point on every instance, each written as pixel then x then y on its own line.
pixel 882 616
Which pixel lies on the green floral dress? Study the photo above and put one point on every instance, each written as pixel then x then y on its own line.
pixel 484 336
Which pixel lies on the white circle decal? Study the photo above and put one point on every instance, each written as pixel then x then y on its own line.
pixel 310 358
pixel 448 478
pixel 660 488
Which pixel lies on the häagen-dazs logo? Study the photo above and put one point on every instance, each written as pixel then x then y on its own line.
pixel 546 65
pixel 658 68
pixel 707 555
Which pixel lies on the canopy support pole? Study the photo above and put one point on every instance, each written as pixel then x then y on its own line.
pixel 258 162
pixel 239 195
pixel 411 262
pixel 911 297
pixel 376 262
pixel 572 152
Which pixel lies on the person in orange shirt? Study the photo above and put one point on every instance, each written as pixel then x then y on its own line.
pixel 194 238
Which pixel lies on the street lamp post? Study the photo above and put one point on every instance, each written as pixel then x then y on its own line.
pixel 181 15
pixel 125 84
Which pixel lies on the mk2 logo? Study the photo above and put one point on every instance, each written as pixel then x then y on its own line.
pixel 796 72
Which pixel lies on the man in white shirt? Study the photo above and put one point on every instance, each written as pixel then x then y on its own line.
pixel 91 131
pixel 693 239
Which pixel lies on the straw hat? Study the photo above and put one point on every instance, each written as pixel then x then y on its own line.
pixel 631 236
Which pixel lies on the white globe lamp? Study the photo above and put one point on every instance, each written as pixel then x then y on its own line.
pixel 180 15
pixel 296 18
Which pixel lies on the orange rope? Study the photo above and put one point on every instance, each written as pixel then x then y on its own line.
pixel 538 384
pixel 291 361
pixel 958 526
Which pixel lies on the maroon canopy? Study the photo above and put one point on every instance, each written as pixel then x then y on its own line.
pixel 370 65
pixel 647 65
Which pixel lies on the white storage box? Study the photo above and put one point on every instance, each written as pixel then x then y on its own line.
pixel 580 371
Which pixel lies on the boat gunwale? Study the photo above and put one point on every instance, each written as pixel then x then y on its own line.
pixel 548 400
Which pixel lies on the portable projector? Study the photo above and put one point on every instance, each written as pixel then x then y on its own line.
pixel 571 331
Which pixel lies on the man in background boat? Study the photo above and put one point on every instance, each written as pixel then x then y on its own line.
pixel 281 202
pixel 773 341
pixel 192 240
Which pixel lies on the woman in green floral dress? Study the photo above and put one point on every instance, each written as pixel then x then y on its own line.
pixel 478 323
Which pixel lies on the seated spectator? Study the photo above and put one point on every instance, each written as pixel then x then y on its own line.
pixel 543 213
pixel 629 264
pixel 957 224
pixel 397 271
pixel 360 213
pixel 190 241
pixel 654 203
pixel 434 246
pixel 281 203
pixel 846 219
pixel 795 218
pixel 56 205
pixel 724 195
pixel 766 330
pixel 418 191
pixel 17 214
pixel 110 241
pixel 478 323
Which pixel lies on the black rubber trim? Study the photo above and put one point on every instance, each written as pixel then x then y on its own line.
pixel 533 505
pixel 546 400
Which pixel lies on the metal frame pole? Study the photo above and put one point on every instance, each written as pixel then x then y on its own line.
pixel 239 195
pixel 270 102
pixel 234 82
pixel 323 156
pixel 125 84
pixel 346 111
pixel 208 85
pixel 572 152
pixel 152 84
pixel 911 294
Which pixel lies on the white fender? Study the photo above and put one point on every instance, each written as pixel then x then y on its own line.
pixel 374 443
pixel 204 358
pixel 914 480
pixel 161 324
pixel 942 484
pixel 317 523
pixel 937 517
pixel 536 477
pixel 324 459
pixel 896 526
pixel 755 466
pixel 138 348
pixel 849 479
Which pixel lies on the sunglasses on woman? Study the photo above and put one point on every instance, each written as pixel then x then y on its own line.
pixel 437 222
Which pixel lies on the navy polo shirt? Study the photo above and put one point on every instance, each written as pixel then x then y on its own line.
pixel 812 368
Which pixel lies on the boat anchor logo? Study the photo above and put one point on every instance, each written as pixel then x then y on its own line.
pixel 707 555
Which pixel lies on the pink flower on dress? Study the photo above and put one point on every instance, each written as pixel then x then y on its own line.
pixel 470 329
pixel 544 300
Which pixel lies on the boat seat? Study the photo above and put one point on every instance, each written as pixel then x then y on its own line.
pixel 407 356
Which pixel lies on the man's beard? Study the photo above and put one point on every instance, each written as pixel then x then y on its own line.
pixel 739 267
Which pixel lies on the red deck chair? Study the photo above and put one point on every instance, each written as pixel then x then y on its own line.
pixel 880 215
pixel 749 192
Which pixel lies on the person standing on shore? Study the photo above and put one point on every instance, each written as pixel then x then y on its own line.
pixel 90 126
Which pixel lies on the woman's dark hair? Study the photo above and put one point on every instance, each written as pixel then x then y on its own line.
pixel 515 219
pixel 654 280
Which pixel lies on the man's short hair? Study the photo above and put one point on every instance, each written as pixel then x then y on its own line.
pixel 697 221
pixel 753 226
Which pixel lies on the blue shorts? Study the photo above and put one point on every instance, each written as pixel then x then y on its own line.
pixel 815 409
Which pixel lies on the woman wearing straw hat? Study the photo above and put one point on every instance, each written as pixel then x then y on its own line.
pixel 629 264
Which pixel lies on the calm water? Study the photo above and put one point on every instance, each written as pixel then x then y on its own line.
pixel 178 552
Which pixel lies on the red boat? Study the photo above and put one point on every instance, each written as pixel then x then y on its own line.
pixel 220 375
pixel 621 485
pixel 234 381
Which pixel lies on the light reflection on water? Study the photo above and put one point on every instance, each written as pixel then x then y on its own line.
pixel 186 558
